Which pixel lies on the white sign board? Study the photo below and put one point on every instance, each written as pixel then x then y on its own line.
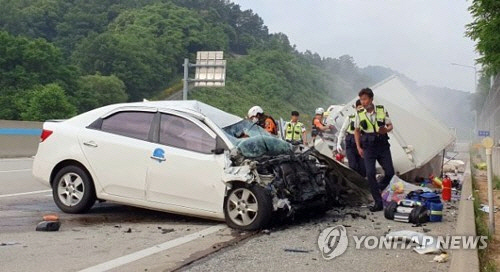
pixel 215 76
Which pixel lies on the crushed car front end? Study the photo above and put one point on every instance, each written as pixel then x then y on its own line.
pixel 296 182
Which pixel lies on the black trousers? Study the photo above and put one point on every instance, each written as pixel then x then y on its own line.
pixel 376 148
pixel 356 162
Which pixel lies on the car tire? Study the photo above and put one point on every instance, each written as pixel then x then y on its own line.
pixel 248 207
pixel 390 210
pixel 73 190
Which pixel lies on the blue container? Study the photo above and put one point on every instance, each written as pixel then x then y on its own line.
pixel 431 201
pixel 435 212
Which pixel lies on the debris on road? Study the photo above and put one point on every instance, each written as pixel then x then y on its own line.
pixel 297 250
pixel 442 258
pixel 266 231
pixel 417 238
pixel 129 230
pixel 164 231
pixel 48 226
pixel 50 217
pixel 9 243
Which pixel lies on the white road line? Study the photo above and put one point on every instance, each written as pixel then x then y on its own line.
pixel 153 250
pixel 16 170
pixel 26 193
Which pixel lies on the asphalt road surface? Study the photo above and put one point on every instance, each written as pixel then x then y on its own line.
pixel 120 238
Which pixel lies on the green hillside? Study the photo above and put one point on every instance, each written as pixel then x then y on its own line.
pixel 92 53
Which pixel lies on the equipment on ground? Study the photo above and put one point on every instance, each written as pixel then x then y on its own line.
pixel 406 210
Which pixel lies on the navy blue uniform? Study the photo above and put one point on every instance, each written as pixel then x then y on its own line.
pixel 376 147
pixel 356 163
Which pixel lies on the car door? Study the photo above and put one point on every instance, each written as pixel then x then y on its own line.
pixel 118 149
pixel 187 173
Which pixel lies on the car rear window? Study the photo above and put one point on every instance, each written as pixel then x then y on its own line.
pixel 181 133
pixel 130 124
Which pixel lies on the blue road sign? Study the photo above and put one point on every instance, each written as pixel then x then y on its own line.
pixel 483 133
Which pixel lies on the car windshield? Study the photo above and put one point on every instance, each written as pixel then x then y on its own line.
pixel 253 141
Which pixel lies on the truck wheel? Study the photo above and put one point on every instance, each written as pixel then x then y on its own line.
pixel 390 210
pixel 73 190
pixel 248 207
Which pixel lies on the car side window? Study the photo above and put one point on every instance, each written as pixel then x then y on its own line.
pixel 182 133
pixel 133 124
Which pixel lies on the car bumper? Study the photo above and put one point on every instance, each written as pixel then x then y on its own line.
pixel 41 171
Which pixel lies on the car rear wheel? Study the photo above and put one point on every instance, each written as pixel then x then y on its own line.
pixel 73 190
pixel 248 207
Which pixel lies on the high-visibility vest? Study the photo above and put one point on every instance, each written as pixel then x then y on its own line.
pixel 350 127
pixel 365 123
pixel 293 132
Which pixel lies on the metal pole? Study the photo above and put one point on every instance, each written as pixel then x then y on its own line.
pixel 185 87
pixel 489 170
pixel 475 79
pixel 442 163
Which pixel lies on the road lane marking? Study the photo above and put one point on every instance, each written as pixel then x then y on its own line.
pixel 26 193
pixel 15 170
pixel 153 250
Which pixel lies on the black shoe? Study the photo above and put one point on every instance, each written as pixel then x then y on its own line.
pixel 376 208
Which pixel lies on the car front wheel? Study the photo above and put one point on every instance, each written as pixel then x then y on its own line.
pixel 73 190
pixel 248 207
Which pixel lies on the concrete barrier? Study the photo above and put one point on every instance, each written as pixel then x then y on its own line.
pixel 19 138
pixel 465 259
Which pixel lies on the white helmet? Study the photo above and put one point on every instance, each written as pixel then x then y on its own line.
pixel 320 111
pixel 253 111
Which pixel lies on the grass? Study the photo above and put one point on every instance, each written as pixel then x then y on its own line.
pixel 496 183
pixel 485 261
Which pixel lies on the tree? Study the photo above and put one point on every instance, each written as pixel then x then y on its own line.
pixel 145 47
pixel 25 62
pixel 485 31
pixel 96 90
pixel 48 102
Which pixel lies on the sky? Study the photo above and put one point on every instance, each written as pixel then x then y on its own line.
pixel 419 38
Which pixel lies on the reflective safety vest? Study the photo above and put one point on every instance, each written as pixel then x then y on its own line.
pixel 293 132
pixel 365 124
pixel 350 127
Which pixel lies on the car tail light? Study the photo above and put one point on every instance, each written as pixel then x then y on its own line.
pixel 45 134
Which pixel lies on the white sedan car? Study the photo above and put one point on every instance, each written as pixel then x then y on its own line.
pixel 177 156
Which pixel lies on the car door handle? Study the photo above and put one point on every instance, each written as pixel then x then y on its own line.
pixel 157 158
pixel 91 144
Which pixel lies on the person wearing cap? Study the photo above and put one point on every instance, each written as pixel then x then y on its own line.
pixel 256 115
pixel 295 131
pixel 355 161
pixel 318 127
pixel 371 128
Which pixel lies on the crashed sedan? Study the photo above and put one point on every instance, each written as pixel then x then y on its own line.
pixel 189 158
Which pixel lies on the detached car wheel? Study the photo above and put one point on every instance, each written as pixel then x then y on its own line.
pixel 73 190
pixel 248 207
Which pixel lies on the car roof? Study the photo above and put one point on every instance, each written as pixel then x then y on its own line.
pixel 219 117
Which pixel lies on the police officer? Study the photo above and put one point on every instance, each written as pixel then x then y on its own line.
pixel 295 131
pixel 355 161
pixel 371 128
